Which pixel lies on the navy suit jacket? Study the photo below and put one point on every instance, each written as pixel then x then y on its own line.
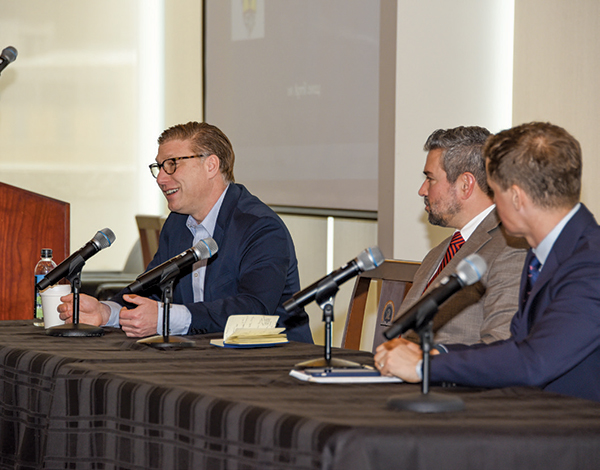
pixel 555 341
pixel 254 271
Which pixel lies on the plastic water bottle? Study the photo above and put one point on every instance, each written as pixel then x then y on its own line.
pixel 43 267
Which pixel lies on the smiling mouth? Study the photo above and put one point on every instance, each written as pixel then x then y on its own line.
pixel 170 191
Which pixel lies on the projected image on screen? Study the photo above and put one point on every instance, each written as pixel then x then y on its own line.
pixel 294 84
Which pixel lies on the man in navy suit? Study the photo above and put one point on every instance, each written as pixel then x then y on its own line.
pixel 535 173
pixel 255 269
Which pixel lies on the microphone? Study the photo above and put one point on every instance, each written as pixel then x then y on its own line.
pixel 204 249
pixel 468 272
pixel 103 239
pixel 366 260
pixel 9 54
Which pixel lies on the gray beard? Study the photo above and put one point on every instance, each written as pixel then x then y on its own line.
pixel 435 219
pixel 441 220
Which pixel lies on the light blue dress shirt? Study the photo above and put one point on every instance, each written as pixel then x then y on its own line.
pixel 180 316
pixel 543 249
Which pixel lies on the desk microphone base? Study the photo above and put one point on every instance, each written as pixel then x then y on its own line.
pixel 75 329
pixel 324 363
pixel 426 403
pixel 167 342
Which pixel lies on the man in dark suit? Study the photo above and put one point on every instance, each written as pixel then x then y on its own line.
pixel 535 172
pixel 255 269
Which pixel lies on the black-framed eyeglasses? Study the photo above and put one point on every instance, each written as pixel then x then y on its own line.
pixel 169 165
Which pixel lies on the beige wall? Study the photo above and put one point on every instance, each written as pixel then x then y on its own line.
pixel 183 61
pixel 557 75
pixel 454 62
pixel 555 78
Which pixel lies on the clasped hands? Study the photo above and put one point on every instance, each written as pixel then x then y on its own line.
pixel 399 357
pixel 138 322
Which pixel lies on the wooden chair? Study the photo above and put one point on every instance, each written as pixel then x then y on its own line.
pixel 396 279
pixel 149 227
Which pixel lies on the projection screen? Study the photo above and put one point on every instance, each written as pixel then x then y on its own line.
pixel 294 84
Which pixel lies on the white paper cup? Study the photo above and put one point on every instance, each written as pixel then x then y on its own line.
pixel 51 301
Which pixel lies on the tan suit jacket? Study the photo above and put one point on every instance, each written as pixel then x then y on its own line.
pixel 481 312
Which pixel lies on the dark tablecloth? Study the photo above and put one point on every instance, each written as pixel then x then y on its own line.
pixel 110 402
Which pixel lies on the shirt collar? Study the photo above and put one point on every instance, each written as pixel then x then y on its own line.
pixel 470 227
pixel 543 249
pixel 210 221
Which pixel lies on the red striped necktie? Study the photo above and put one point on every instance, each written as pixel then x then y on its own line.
pixel 455 244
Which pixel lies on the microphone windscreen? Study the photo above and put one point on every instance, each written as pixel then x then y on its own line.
pixel 471 269
pixel 207 248
pixel 369 258
pixel 104 238
pixel 9 54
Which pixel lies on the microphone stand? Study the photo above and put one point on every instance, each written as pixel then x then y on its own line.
pixel 426 402
pixel 165 341
pixel 75 328
pixel 325 298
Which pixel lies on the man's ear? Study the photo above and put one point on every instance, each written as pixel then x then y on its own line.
pixel 213 165
pixel 466 184
pixel 518 197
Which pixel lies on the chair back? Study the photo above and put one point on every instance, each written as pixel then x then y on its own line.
pixel 396 279
pixel 149 227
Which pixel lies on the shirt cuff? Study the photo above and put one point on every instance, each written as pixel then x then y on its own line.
pixel 180 320
pixel 419 369
pixel 115 308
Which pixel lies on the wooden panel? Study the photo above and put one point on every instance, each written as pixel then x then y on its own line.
pixel 28 223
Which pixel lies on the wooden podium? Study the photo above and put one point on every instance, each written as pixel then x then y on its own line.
pixel 28 223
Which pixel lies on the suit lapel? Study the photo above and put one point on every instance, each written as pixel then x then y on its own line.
pixel 561 250
pixel 430 264
pixel 182 240
pixel 229 203
pixel 476 241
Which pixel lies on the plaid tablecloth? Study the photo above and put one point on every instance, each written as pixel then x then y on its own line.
pixel 112 403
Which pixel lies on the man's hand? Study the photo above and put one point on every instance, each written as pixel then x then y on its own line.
pixel 91 311
pixel 141 321
pixel 399 357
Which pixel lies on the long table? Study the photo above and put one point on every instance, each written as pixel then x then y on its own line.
pixel 111 402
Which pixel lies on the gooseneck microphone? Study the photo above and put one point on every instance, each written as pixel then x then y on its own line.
pixel 366 260
pixel 204 249
pixel 103 239
pixel 9 54
pixel 468 272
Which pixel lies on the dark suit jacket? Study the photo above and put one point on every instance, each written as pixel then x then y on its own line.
pixel 555 341
pixel 254 271
pixel 481 312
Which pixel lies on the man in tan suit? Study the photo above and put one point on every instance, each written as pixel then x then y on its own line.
pixel 456 194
